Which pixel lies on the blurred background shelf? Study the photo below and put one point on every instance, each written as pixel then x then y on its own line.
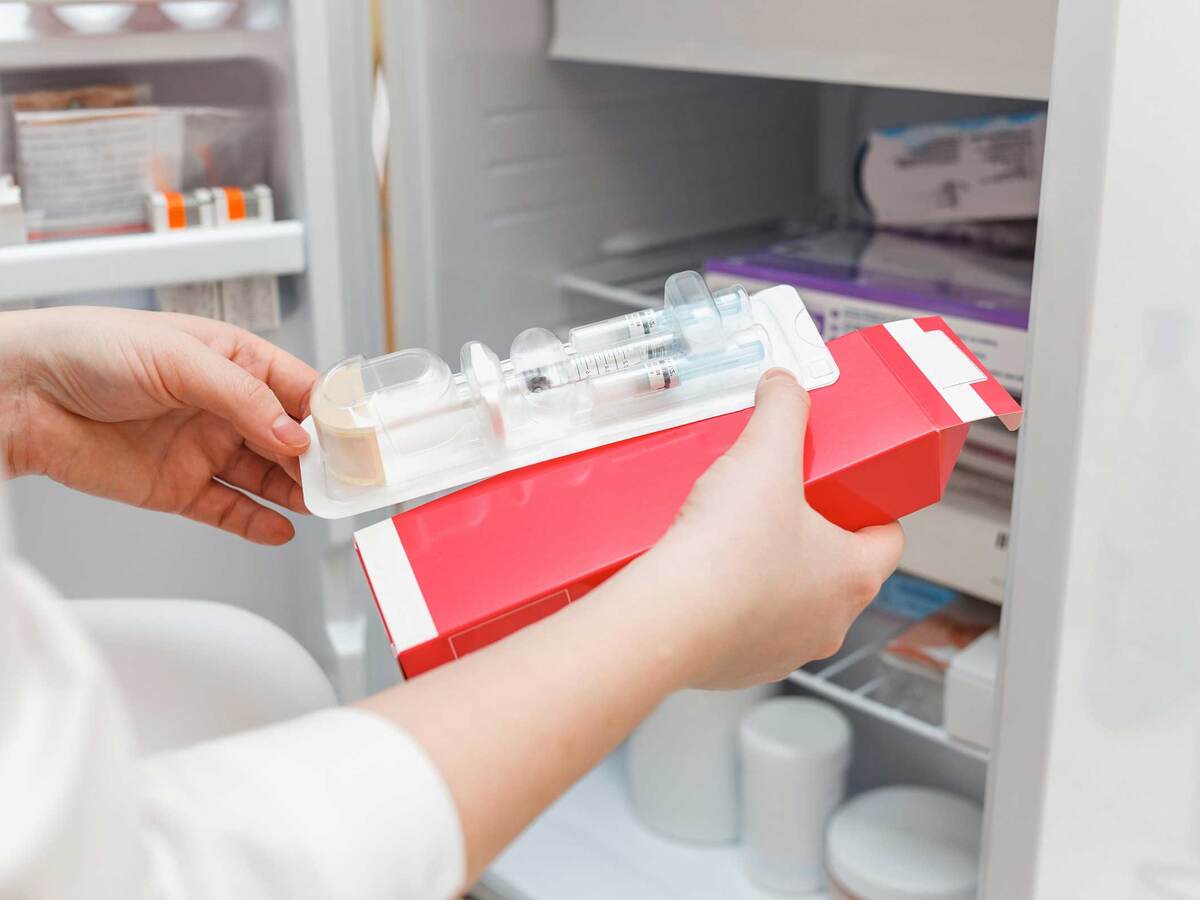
pixel 964 46
pixel 54 268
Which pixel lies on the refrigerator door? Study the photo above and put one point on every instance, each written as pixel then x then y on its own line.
pixel 1095 786
pixel 307 65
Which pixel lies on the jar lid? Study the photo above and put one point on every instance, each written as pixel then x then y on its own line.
pixel 799 727
pixel 906 843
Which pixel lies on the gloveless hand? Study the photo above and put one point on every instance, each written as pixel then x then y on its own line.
pixel 161 411
pixel 768 584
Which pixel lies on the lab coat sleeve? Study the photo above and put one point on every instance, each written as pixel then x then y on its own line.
pixel 339 803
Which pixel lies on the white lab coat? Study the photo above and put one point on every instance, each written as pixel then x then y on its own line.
pixel 339 803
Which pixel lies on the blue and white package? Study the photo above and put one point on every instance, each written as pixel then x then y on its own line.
pixel 977 169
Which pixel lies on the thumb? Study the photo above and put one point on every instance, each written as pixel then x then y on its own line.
pixel 881 547
pixel 780 420
pixel 202 378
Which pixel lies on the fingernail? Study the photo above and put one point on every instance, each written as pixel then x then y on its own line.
pixel 288 430
pixel 779 374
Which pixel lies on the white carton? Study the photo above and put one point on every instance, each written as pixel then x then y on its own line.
pixel 971 690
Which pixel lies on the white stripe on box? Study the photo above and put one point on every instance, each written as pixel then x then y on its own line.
pixel 396 590
pixel 948 369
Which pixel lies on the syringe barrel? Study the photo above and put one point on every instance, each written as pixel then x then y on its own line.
pixel 741 357
pixel 604 361
pixel 732 305
pixel 746 351
pixel 616 330
pixel 649 378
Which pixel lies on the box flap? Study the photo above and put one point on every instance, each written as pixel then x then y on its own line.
pixel 943 375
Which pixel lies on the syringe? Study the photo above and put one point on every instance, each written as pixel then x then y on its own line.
pixel 676 370
pixel 605 361
pixel 733 304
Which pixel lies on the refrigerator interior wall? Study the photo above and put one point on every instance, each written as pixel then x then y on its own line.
pixel 510 169
pixel 311 76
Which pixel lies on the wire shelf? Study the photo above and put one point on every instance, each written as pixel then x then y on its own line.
pixel 853 678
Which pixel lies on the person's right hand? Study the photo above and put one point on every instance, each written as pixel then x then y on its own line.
pixel 768 583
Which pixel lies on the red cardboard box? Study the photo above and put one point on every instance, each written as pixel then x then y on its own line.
pixel 469 568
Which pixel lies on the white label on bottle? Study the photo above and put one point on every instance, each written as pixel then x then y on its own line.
pixel 640 323
pixel 662 375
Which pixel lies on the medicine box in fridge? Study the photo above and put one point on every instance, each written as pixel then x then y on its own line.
pixel 971 690
pixel 853 278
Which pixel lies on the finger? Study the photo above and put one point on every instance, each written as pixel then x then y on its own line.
pixel 232 511
pixel 882 546
pixel 777 427
pixel 265 479
pixel 290 378
pixel 200 377
pixel 289 464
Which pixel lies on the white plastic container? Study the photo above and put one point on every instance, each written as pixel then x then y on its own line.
pixel 794 755
pixel 198 15
pixel 905 843
pixel 682 767
pixel 94 18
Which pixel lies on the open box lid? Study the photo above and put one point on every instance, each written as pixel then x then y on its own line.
pixel 951 371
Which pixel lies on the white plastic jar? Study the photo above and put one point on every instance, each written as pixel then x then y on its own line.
pixel 682 764
pixel 905 843
pixel 794 752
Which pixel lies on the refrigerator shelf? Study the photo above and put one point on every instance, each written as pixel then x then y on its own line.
pixel 641 263
pixel 24 49
pixel 55 268
pixel 590 846
pixel 978 46
pixel 854 680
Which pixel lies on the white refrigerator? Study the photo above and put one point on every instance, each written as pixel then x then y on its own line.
pixel 549 163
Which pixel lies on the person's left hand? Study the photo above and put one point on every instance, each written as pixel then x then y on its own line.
pixel 162 411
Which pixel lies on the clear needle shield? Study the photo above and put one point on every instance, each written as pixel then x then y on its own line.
pixel 403 426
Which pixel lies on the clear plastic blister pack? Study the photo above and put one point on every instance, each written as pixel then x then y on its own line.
pixel 403 426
